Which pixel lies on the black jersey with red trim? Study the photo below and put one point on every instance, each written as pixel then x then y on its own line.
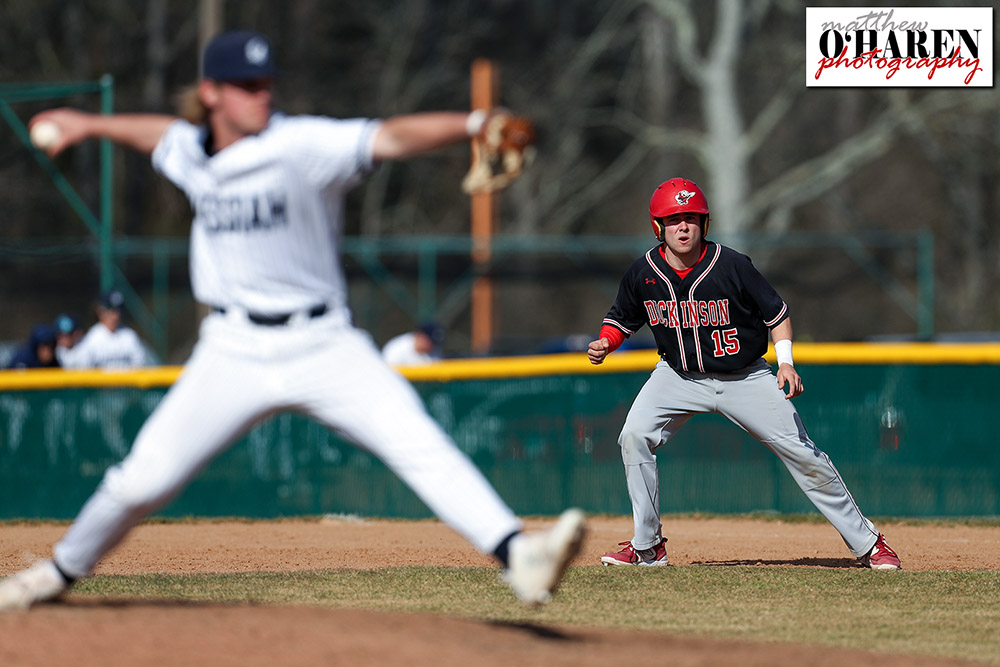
pixel 716 319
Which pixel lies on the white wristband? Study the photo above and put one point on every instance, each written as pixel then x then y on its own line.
pixel 474 122
pixel 783 350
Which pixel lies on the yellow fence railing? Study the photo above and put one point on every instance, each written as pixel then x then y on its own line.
pixel 552 364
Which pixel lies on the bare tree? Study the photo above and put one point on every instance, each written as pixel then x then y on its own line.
pixel 624 93
pixel 727 146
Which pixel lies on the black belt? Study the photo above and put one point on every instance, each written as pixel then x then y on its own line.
pixel 277 320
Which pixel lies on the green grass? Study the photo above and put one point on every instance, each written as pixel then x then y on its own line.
pixel 938 613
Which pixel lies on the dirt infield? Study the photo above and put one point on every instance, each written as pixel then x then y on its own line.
pixel 87 632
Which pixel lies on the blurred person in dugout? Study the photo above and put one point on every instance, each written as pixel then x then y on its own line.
pixel 39 351
pixel 68 334
pixel 415 348
pixel 108 343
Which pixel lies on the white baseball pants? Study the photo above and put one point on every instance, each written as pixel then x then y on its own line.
pixel 752 400
pixel 240 373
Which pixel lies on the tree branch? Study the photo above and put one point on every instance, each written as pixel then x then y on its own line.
pixel 686 48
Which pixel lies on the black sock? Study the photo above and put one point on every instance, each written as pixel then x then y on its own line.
pixel 501 551
pixel 69 580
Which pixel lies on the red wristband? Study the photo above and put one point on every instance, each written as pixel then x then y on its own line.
pixel 614 336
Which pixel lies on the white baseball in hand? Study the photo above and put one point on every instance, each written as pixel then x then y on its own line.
pixel 44 134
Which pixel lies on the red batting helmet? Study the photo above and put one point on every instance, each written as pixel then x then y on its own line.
pixel 678 195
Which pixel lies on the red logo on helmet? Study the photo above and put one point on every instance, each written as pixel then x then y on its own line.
pixel 683 197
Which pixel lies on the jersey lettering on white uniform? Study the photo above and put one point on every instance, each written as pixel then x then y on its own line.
pixel 269 209
pixel 103 348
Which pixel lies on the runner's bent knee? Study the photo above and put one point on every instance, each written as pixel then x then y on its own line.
pixel 638 442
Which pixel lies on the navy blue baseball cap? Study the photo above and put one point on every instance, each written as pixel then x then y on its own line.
pixel 238 55
pixel 113 300
pixel 43 334
pixel 434 331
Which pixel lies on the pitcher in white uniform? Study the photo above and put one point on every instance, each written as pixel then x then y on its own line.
pixel 268 196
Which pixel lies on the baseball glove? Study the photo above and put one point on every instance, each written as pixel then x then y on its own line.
pixel 500 152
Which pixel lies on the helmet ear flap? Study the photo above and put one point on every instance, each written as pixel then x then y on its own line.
pixel 657 229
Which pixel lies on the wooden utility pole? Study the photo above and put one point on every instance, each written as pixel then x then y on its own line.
pixel 485 91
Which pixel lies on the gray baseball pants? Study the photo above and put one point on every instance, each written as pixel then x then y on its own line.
pixel 752 400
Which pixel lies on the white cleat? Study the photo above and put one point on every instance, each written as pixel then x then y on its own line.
pixel 42 581
pixel 538 560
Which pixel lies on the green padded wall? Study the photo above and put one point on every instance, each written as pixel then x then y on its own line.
pixel 909 440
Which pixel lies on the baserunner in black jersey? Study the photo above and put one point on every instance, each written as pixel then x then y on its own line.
pixel 711 313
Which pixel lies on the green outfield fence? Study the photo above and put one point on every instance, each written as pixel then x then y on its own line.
pixel 910 428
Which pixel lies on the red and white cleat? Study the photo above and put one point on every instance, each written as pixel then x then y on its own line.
pixel 881 557
pixel 652 557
